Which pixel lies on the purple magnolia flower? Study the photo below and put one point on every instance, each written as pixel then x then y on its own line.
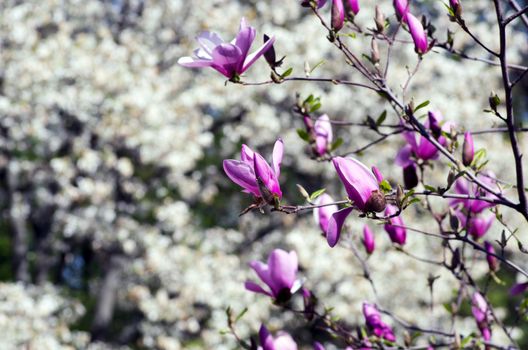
pixel 229 58
pixel 464 186
pixel 254 174
pixel 352 6
pixel 418 33
pixel 338 15
pixel 476 224
pixel 283 341
pixel 468 150
pixel 361 184
pixel 519 288
pixel 493 263
pixel 480 311
pixel 374 323
pixel 368 239
pixel 323 134
pixel 322 215
pixel 363 190
pixel 279 274
pixel 397 234
pixel 401 7
pixel 418 146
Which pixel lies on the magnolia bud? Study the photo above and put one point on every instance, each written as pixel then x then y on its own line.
pixel 494 101
pixel 374 52
pixel 410 177
pixel 456 7
pixel 493 263
pixel 468 150
pixel 399 196
pixel 455 259
pixel 269 55
pixel 453 221
pixel 376 202
pixel 338 15
pixel 380 20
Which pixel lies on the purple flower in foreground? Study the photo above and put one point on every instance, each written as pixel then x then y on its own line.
pixel 519 288
pixel 283 341
pixel 255 175
pixel 468 149
pixel 374 323
pixel 480 310
pixel 229 58
pixel 363 190
pixel 322 215
pixel 279 274
pixel 418 34
pixel 323 134
pixel 395 229
pixel 368 239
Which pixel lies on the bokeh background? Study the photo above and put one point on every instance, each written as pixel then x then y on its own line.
pixel 118 227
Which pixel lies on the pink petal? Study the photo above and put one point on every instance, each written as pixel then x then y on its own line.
pixel 208 41
pixel 359 180
pixel 335 225
pixel 322 215
pixel 418 33
pixel 323 134
pixel 226 58
pixel 403 158
pixel 194 62
pixel 244 39
pixel 241 174
pixel 247 155
pixel 250 59
pixel 262 271
pixel 276 159
pixel 253 287
pixel 283 269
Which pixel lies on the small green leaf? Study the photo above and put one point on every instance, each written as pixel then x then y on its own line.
pixel 316 194
pixel 447 306
pixel 320 63
pixel 385 186
pixel 336 144
pixel 303 134
pixel 466 340
pixel 430 188
pixel 241 314
pixel 309 99
pixel 422 105
pixel 381 118
pixel 287 72
pixel 315 107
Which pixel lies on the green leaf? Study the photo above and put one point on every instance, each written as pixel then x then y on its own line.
pixel 320 63
pixel 381 118
pixel 315 107
pixel 447 306
pixel 466 340
pixel 287 72
pixel 303 134
pixel 422 105
pixel 241 314
pixel 430 188
pixel 412 201
pixel 336 144
pixel 385 186
pixel 316 194
pixel 303 192
pixel 309 99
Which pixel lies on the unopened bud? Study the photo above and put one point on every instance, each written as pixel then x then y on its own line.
pixel 453 221
pixel 494 101
pixel 376 202
pixel 455 259
pixel 374 52
pixel 380 20
pixel 410 177
pixel 456 7
pixel 338 15
pixel 269 55
pixel 468 150
pixel 493 263
pixel 451 178
pixel 407 339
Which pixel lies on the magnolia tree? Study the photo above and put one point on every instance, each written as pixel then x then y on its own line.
pixel 461 207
